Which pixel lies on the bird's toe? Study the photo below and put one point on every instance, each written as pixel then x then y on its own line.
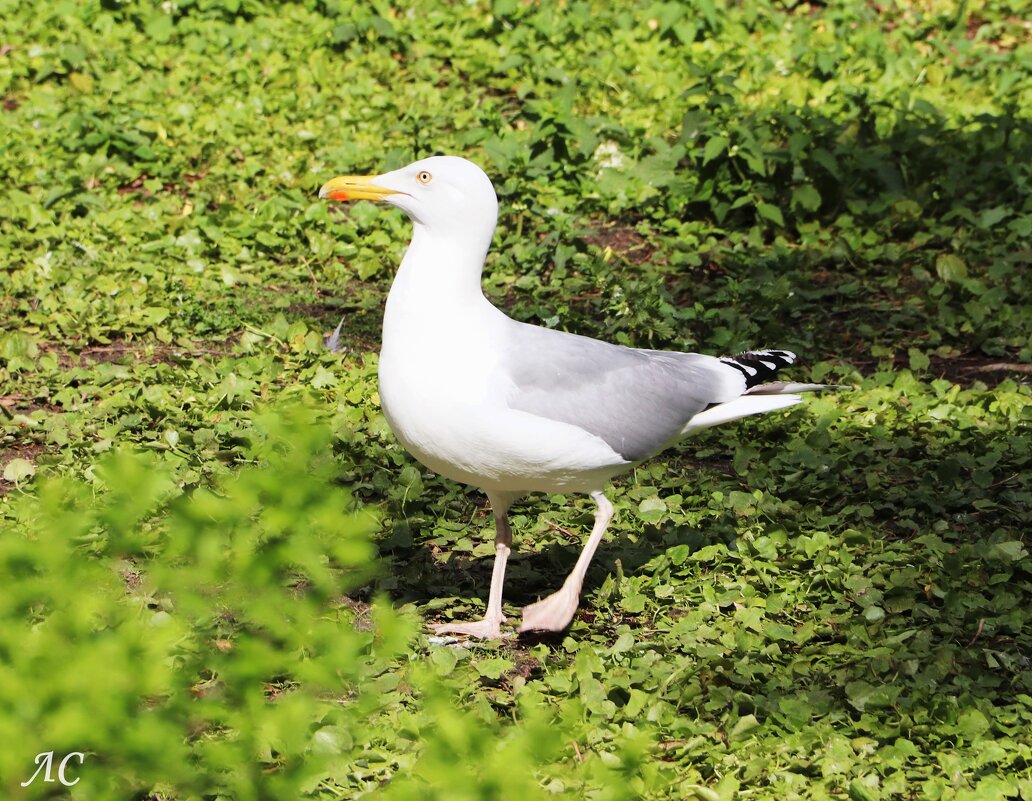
pixel 485 629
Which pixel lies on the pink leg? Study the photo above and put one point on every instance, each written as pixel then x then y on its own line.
pixel 489 628
pixel 555 612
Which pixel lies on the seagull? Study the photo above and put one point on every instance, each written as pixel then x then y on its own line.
pixel 514 408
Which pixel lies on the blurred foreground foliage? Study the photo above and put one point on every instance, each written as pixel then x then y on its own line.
pixel 215 560
pixel 233 649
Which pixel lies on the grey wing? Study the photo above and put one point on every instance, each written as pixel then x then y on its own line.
pixel 637 401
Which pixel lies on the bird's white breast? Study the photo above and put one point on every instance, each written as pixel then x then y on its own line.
pixel 443 385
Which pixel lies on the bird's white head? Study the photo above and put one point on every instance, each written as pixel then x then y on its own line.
pixel 446 195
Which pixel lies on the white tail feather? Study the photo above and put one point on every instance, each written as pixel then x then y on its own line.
pixel 739 407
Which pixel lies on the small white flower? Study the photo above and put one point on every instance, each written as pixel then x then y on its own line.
pixel 609 156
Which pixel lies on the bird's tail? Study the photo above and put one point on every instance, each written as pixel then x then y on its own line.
pixel 761 395
pixel 759 365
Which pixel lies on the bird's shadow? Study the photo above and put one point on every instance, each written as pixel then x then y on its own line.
pixel 423 573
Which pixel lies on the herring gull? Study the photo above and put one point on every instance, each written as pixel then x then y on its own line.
pixel 514 408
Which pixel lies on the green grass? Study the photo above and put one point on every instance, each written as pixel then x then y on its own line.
pixel 215 560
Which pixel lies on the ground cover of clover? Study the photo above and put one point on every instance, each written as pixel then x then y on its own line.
pixel 215 560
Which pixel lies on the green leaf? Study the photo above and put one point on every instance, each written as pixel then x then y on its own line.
pixel 972 723
pixel 806 197
pixel 493 668
pixel 652 509
pixel 950 268
pixel 771 213
pixel 633 602
pixel 859 791
pixel 411 479
pixel 714 147
pixel 444 660
pixel 1010 551
pixel 874 614
pixel 323 378
pixel 18 469
pixel 504 8
pixel 862 694
pixel 152 315
pixel 743 726
pixel 990 217
pixel 828 162
pixel 919 361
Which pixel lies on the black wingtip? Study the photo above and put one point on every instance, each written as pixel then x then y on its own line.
pixel 759 365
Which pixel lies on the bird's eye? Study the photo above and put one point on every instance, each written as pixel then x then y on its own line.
pixel 423 177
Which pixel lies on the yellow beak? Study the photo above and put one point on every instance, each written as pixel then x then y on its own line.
pixel 355 187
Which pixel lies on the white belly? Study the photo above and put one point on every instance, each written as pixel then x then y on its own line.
pixel 443 394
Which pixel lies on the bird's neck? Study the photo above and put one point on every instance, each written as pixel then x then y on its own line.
pixel 441 269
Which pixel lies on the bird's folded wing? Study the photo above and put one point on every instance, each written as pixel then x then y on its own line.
pixel 637 401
